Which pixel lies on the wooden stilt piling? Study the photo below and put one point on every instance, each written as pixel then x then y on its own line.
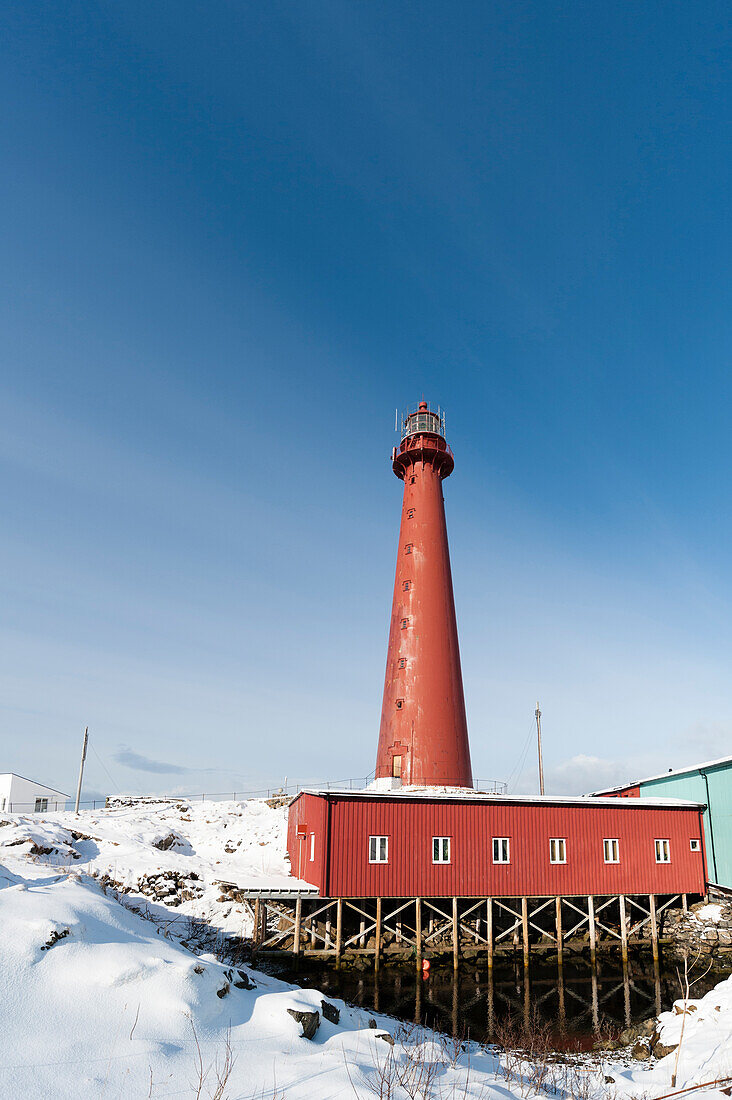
pixel 257 917
pixel 623 929
pixel 455 934
pixel 654 925
pixel 593 929
pixel 377 948
pixel 525 929
pixel 298 920
pixel 418 928
pixel 339 930
pixel 489 929
pixel 559 933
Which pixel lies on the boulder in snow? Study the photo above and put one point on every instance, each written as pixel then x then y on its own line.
pixel 330 1012
pixel 310 1022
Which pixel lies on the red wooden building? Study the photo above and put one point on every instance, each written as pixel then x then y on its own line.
pixel 418 843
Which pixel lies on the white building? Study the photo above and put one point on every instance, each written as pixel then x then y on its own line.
pixel 22 796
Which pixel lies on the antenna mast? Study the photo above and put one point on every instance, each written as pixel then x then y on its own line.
pixel 538 740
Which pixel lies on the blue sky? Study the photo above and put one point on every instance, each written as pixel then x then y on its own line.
pixel 235 237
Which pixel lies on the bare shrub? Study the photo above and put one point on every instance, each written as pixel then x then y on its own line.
pixel 685 985
pixel 214 1077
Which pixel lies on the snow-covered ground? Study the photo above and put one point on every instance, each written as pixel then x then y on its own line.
pixel 97 1001
pixel 174 855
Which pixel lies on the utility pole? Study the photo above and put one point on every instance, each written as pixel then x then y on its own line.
pixel 81 767
pixel 541 759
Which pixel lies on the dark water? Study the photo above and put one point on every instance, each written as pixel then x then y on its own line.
pixel 574 1007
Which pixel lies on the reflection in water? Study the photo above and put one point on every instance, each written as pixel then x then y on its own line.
pixel 575 1002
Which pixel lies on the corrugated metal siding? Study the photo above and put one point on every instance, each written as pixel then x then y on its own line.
pixel 626 792
pixel 309 813
pixel 411 825
pixel 718 817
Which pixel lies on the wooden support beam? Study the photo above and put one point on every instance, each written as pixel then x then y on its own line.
pixel 560 934
pixel 339 930
pixel 623 930
pixel 455 934
pixel 377 949
pixel 298 920
pixel 654 925
pixel 418 927
pixel 593 928
pixel 489 929
pixel 595 1001
pixel 685 903
pixel 626 994
pixel 525 928
pixel 257 914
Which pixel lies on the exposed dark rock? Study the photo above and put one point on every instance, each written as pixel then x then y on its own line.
pixel 641 1051
pixel 310 1022
pixel 330 1012
pixel 166 842
pixel 660 1050
pixel 386 1037
pixel 55 937
pixel 223 991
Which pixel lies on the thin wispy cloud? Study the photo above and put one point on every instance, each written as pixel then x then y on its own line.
pixel 139 763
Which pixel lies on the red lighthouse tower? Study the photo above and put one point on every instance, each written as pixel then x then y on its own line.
pixel 423 738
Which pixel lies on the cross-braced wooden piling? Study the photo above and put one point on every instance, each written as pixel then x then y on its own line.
pixel 400 928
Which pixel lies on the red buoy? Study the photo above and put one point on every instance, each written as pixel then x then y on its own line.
pixel 423 739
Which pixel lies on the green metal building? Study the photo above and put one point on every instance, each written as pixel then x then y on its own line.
pixel 708 783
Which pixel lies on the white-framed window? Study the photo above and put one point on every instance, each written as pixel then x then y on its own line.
pixel 312 847
pixel 501 849
pixel 611 850
pixel 41 805
pixel 378 849
pixel 440 849
pixel 695 844
pixel 557 849
pixel 663 851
